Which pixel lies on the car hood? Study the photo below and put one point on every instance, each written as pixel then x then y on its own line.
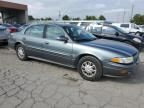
pixel 113 46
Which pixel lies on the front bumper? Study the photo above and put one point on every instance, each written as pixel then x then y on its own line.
pixel 114 69
pixel 3 41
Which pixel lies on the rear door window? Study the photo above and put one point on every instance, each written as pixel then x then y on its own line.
pixel 35 31
pixel 97 30
pixel 124 25
pixel 109 31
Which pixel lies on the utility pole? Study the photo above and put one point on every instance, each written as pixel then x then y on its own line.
pixel 124 16
pixel 132 10
pixel 59 15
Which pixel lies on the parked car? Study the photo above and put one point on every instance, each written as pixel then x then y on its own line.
pixel 72 46
pixel 141 27
pixel 4 35
pixel 84 24
pixel 130 28
pixel 23 27
pixel 11 28
pixel 115 33
pixel 17 25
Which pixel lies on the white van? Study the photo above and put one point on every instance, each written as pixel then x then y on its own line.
pixel 130 28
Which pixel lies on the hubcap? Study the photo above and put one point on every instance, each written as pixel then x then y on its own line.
pixel 89 69
pixel 21 52
pixel 137 34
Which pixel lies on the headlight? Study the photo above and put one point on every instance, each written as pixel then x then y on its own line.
pixel 127 60
pixel 137 40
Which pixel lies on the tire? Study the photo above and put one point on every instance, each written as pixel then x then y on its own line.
pixel 90 68
pixel 21 54
pixel 138 34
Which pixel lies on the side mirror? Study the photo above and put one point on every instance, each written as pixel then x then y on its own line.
pixel 117 34
pixel 137 28
pixel 62 38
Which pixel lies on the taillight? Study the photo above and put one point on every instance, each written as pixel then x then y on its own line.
pixel 12 30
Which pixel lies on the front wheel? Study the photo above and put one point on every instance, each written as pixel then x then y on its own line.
pixel 90 68
pixel 138 34
pixel 21 52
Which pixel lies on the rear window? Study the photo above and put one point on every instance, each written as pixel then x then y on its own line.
pixel 74 23
pixel 97 30
pixel 85 23
pixel 7 25
pixel 2 30
pixel 125 25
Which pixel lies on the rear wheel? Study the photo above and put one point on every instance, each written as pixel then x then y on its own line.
pixel 90 68
pixel 21 52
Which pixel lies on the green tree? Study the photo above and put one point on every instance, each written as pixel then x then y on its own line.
pixel 78 18
pixel 66 17
pixel 30 17
pixel 90 18
pixel 101 17
pixel 37 19
pixel 42 19
pixel 48 18
pixel 138 19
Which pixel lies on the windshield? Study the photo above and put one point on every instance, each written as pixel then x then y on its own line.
pixel 78 34
pixel 121 30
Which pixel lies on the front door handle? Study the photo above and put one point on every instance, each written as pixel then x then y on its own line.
pixel 24 39
pixel 47 43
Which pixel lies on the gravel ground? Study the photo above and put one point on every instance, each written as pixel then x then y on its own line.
pixel 35 84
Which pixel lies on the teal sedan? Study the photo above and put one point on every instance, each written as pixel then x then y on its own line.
pixel 71 46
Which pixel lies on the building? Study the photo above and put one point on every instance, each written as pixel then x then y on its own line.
pixel 13 12
pixel 0 19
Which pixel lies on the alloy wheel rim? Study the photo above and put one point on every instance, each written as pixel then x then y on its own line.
pixel 21 52
pixel 89 69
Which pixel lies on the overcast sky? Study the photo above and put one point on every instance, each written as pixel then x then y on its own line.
pixel 112 9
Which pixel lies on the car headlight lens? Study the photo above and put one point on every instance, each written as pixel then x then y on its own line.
pixel 137 40
pixel 127 60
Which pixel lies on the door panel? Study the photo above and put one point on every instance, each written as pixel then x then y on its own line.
pixel 33 40
pixel 109 33
pixel 34 46
pixel 56 50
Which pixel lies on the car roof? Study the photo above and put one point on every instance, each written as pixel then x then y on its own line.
pixel 56 24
